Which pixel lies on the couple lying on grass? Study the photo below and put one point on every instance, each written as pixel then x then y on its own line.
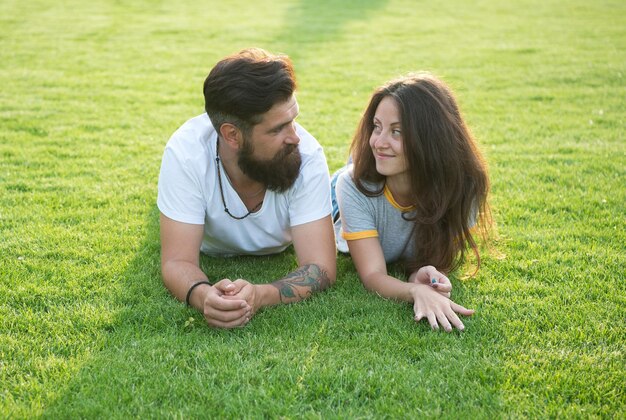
pixel 245 179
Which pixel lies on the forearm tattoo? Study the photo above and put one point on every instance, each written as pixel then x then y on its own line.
pixel 302 283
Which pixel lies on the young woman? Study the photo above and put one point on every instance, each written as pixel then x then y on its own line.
pixel 416 191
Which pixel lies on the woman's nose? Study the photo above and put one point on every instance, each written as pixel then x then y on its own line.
pixel 380 141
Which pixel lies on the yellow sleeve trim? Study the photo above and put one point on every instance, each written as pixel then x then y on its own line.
pixel 351 236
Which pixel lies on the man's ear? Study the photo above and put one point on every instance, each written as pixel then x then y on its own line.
pixel 232 134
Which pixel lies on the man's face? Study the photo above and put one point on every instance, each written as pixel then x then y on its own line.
pixel 270 153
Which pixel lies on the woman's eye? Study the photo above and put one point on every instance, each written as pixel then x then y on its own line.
pixel 397 132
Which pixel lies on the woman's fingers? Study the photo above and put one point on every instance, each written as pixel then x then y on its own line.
pixel 432 320
pixel 442 314
pixel 442 287
pixel 455 320
pixel 461 310
pixel 439 310
pixel 443 321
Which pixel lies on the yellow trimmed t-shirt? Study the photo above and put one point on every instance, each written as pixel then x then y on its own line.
pixel 371 217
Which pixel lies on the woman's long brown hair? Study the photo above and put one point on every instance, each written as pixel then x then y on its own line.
pixel 447 171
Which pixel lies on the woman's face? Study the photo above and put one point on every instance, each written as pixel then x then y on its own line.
pixel 386 139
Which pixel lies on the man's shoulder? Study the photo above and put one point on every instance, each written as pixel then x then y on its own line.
pixel 309 146
pixel 192 138
pixel 194 128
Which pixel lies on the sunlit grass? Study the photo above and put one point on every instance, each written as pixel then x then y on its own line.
pixel 91 91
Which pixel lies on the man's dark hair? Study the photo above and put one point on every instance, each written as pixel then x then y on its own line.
pixel 243 86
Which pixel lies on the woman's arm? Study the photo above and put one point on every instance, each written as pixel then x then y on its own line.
pixel 369 261
pixel 427 302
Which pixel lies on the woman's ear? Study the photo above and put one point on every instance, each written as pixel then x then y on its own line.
pixel 231 134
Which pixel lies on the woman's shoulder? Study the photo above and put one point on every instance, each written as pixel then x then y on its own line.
pixel 347 183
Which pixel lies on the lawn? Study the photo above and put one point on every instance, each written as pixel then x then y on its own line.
pixel 91 92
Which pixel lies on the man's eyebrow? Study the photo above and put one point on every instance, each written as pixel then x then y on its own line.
pixel 281 125
pixel 277 127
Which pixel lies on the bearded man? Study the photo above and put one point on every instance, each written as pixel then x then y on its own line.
pixel 245 179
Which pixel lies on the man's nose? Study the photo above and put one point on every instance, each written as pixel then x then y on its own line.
pixel 292 136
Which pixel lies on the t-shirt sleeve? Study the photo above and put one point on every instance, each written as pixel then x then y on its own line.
pixel 311 197
pixel 180 194
pixel 355 209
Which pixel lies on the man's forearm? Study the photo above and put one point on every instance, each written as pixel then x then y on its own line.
pixel 179 276
pixel 302 283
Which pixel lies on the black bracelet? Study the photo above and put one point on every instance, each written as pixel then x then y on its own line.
pixel 193 286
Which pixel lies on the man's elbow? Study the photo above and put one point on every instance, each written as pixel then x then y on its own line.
pixel 323 275
pixel 168 267
pixel 332 276
pixel 330 272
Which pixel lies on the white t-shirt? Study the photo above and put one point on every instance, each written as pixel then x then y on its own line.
pixel 189 193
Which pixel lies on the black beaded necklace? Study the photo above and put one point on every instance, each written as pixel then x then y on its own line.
pixel 219 182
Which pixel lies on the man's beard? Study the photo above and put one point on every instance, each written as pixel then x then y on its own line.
pixel 278 173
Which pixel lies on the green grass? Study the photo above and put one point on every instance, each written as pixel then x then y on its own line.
pixel 91 91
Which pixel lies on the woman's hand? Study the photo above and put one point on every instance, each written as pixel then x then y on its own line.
pixel 435 279
pixel 438 309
